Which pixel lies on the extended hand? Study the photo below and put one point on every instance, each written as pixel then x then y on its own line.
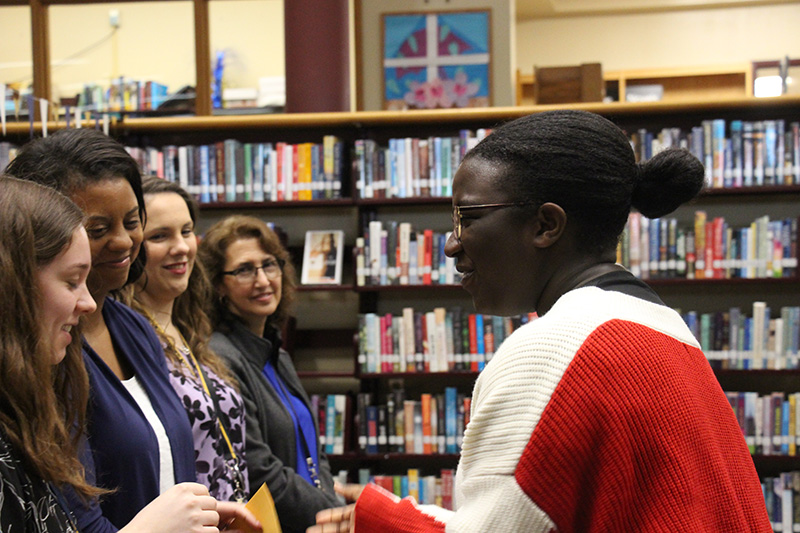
pixel 350 491
pixel 336 520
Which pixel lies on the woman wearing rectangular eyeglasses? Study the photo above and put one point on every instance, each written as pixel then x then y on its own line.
pixel 254 284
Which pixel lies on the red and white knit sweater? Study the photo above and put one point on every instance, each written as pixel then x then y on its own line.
pixel 601 416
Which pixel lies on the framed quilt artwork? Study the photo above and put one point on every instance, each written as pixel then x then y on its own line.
pixel 436 60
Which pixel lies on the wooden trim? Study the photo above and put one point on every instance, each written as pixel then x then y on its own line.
pixel 202 53
pixel 440 116
pixel 677 72
pixel 40 35
pixel 80 2
pixel 432 117
pixel 359 57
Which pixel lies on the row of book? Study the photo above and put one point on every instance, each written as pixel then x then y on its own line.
pixel 332 412
pixel 441 340
pixel 736 153
pixel 739 154
pixel 426 490
pixel 710 249
pixel 232 171
pixel 410 167
pixel 732 340
pixel 395 253
pixel 434 424
pixel 123 94
pixel 782 498
pixel 770 423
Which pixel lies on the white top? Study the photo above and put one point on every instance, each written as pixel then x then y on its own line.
pixel 167 473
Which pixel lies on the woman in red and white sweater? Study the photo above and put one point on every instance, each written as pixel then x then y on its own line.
pixel 603 415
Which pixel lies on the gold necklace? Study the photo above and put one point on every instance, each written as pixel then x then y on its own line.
pixel 180 353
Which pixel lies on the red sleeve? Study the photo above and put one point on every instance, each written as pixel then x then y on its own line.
pixel 379 510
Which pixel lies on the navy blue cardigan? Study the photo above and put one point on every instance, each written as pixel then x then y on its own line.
pixel 123 450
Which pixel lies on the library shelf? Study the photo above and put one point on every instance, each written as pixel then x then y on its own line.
pixel 778 190
pixel 344 287
pixel 310 374
pixel 409 288
pixel 736 282
pixel 419 375
pixel 426 200
pixel 773 465
pixel 288 204
pixel 763 381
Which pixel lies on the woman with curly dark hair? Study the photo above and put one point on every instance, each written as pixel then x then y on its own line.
pixel 254 283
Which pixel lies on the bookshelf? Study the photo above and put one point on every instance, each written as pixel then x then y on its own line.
pixel 683 84
pixel 323 338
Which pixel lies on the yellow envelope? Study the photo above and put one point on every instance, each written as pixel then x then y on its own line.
pixel 263 507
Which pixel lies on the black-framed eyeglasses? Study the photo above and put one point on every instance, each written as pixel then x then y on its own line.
pixel 457 210
pixel 247 273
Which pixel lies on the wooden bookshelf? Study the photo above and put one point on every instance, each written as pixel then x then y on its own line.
pixel 391 122
pixel 682 84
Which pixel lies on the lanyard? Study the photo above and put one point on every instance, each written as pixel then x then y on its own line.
pixel 312 468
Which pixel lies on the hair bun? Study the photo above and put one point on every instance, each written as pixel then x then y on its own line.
pixel 667 180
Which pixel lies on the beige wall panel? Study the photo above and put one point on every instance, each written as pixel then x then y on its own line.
pixel 666 39
pixel 15 54
pixel 155 41
pixel 251 33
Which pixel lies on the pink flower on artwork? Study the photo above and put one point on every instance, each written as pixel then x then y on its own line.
pixel 441 93
pixel 429 94
pixel 417 95
pixel 439 96
pixel 460 90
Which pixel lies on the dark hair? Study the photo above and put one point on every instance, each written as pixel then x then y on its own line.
pixel 585 164
pixel 70 160
pixel 214 246
pixel 42 406
pixel 189 311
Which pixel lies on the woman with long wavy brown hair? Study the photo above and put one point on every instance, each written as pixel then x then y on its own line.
pixel 172 295
pixel 44 253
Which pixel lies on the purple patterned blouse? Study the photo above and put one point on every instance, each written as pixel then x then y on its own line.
pixel 212 455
